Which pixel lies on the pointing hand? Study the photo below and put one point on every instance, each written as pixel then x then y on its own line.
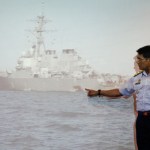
pixel 91 92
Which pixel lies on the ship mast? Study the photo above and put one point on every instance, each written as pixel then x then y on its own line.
pixel 39 35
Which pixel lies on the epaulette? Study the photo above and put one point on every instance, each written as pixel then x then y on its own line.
pixel 137 73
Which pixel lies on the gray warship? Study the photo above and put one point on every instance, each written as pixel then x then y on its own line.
pixel 41 69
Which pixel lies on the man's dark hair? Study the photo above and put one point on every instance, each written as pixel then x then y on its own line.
pixel 145 51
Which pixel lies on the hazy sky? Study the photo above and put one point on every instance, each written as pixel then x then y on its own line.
pixel 105 32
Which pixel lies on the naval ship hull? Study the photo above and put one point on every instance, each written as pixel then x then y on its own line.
pixel 42 84
pixel 4 83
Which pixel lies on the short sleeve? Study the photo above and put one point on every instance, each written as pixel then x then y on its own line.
pixel 127 89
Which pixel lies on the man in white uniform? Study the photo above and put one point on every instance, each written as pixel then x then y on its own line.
pixel 140 85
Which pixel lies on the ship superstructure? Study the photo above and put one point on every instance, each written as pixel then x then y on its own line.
pixel 44 63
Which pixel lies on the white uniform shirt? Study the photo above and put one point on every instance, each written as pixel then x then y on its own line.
pixel 140 85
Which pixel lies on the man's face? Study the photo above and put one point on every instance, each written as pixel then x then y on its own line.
pixel 142 62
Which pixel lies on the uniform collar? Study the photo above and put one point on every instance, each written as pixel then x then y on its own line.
pixel 145 74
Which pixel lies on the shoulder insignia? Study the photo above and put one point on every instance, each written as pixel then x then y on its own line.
pixel 137 73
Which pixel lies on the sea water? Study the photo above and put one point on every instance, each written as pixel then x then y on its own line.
pixel 64 121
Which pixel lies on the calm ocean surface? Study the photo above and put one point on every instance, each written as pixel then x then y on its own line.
pixel 64 121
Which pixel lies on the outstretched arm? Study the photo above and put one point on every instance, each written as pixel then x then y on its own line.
pixel 109 93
